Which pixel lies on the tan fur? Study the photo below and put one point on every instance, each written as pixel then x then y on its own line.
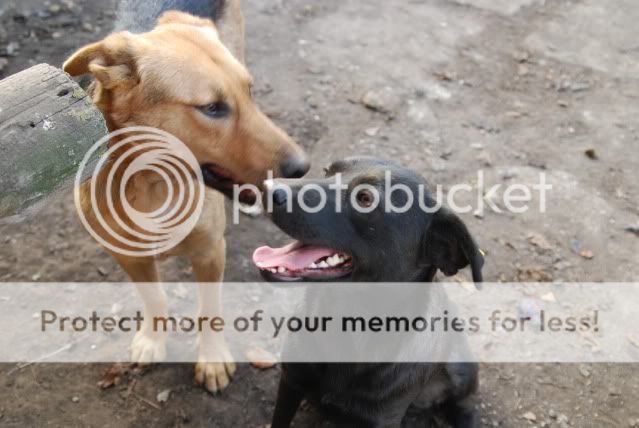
pixel 158 79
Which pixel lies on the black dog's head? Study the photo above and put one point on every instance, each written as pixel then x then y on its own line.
pixel 355 236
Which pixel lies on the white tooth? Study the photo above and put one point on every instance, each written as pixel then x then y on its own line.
pixel 323 265
pixel 281 270
pixel 340 260
pixel 273 270
pixel 332 261
pixel 313 266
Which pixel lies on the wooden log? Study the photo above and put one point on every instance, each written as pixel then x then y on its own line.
pixel 47 125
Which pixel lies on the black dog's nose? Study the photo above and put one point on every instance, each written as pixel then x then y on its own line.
pixel 280 196
pixel 295 167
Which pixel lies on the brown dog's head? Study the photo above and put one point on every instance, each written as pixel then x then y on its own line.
pixel 180 78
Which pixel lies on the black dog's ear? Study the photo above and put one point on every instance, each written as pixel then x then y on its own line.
pixel 449 247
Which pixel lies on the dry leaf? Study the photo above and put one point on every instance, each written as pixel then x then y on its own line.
pixel 587 254
pixel 539 241
pixel 261 359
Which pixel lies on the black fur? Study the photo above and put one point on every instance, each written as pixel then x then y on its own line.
pixel 415 245
pixel 140 16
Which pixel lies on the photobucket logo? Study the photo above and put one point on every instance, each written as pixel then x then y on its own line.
pixel 147 160
pixel 395 196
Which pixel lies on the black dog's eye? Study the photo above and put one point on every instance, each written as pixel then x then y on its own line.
pixel 365 198
pixel 218 110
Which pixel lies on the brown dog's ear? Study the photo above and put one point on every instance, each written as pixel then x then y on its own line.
pixel 229 27
pixel 109 61
pixel 449 246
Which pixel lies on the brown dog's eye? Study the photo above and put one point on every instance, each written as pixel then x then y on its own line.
pixel 365 198
pixel 218 110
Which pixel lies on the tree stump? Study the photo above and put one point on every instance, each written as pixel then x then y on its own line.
pixel 47 125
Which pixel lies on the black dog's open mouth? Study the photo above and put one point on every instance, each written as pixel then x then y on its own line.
pixel 223 181
pixel 298 261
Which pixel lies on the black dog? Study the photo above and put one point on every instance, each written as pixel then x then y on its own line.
pixel 377 246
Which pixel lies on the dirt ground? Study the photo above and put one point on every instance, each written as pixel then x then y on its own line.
pixel 512 87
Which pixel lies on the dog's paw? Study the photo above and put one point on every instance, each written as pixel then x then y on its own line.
pixel 214 372
pixel 146 349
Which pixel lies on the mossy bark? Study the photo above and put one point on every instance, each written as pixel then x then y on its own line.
pixel 47 125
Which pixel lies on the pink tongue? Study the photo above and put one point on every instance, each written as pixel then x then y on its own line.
pixel 293 257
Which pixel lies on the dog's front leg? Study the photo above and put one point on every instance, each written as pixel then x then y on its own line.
pixel 286 405
pixel 215 366
pixel 149 344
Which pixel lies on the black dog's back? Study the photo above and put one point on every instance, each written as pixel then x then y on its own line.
pixel 141 15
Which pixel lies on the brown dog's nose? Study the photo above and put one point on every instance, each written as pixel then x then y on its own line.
pixel 295 167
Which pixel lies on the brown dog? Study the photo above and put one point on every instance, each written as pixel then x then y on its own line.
pixel 180 78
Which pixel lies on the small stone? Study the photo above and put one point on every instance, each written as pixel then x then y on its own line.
pixel 552 413
pixel 421 113
pixel 12 48
pixel 530 309
pixel 591 154
pixel 383 101
pixel 529 416
pixel 580 86
pixel 549 297
pixel 485 159
pixel 633 228
pixel 55 8
pixel 163 396
pixel 633 423
pixel 102 271
pixel 3 63
pixel 372 132
pixel 75 399
pixel 509 174
pixel 585 371
pixel 88 27
pixel 522 70
pixel 116 308
pixel 433 91
pixel 521 56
